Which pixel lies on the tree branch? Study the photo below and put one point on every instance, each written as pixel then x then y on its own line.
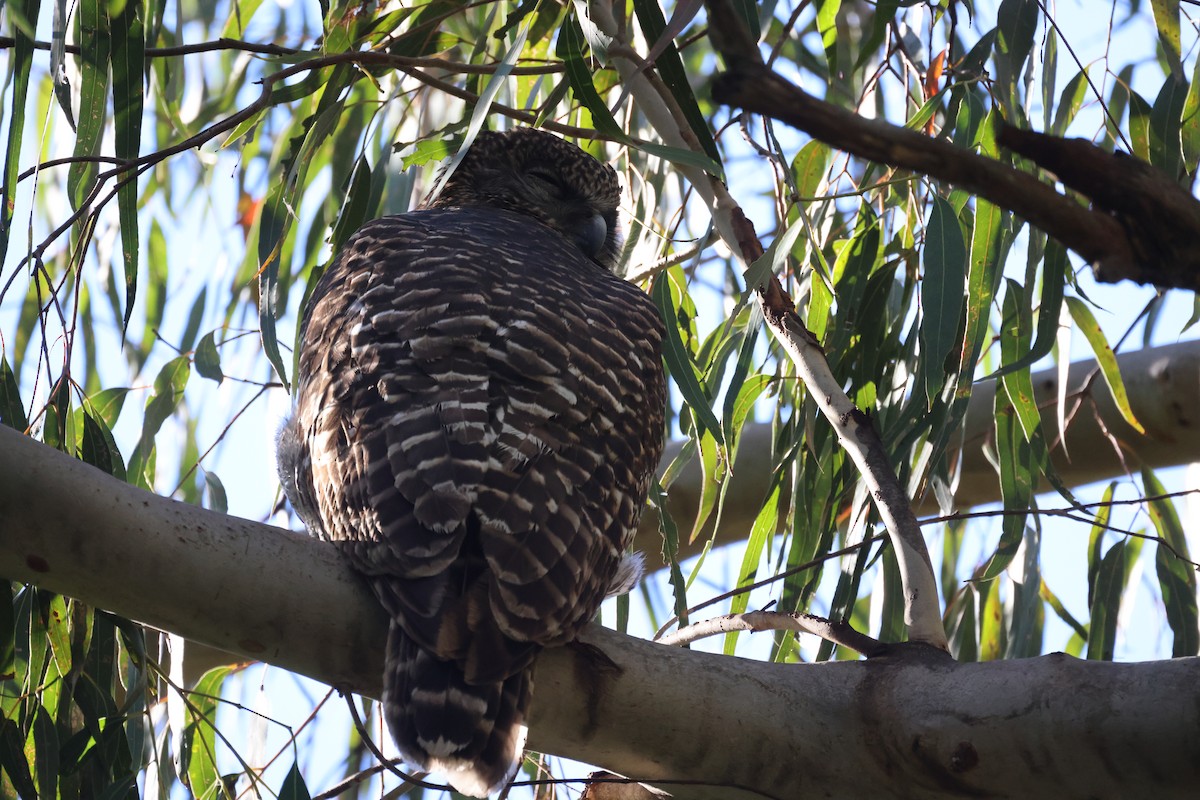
pixel 910 724
pixel 1159 381
pixel 922 613
pixel 1143 226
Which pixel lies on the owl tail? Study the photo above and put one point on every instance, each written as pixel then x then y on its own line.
pixel 474 735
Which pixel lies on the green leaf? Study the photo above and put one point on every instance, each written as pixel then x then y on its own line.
pixel 1016 25
pixel 99 448
pixel 1166 19
pixel 92 32
pixel 361 200
pixel 1027 615
pixel 294 787
pixel 1014 344
pixel 678 155
pixel 240 14
pixel 8 637
pixel 570 50
pixel 207 359
pixel 991 622
pixel 1139 127
pixel 1096 539
pixel 168 392
pixel 962 628
pixel 1166 139
pixel 106 405
pixel 156 286
pixel 1059 609
pixel 1106 605
pixel 827 11
pixel 1016 485
pixel 1086 323
pixel 195 317
pixel 1190 121
pixel 808 168
pixel 12 410
pixel 1069 103
pixel 668 287
pixel 1176 577
pixel 942 286
pixel 43 742
pixel 128 73
pixel 58 632
pixel 881 20
pixel 1054 271
pixel 891 612
pixel 217 499
pixel 675 76
pixel 197 758
pixel 23 17
pixel 670 551
pixel 988 250
pixel 12 758
pixel 764 527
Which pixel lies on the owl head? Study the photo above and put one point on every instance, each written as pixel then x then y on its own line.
pixel 535 173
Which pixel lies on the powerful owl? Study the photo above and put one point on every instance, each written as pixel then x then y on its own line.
pixel 479 413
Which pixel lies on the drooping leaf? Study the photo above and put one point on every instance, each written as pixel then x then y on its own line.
pixel 945 259
pixel 1176 577
pixel 294 787
pixel 92 32
pixel 168 392
pixel 207 359
pixel 1085 321
pixel 128 74
pixel 1106 603
pixel 23 17
pixel 666 293
pixel 12 410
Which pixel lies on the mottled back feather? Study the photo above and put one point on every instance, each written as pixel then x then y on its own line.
pixel 479 415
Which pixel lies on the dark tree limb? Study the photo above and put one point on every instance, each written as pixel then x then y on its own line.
pixel 1142 225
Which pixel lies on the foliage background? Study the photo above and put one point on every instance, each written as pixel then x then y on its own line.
pixel 177 175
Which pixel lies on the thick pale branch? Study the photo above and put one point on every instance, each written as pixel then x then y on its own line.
pixel 906 725
pixel 922 613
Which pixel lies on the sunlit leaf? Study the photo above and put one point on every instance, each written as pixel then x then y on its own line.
pixel 1085 321
pixel 207 359
pixel 1166 19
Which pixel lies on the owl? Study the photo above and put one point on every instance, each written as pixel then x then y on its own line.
pixel 479 414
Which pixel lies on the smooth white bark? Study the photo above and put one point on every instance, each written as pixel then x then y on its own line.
pixel 890 727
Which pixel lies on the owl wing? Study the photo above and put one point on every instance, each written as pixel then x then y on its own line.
pixel 492 418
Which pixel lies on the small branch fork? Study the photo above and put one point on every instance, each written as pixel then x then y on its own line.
pixel 922 612
pixel 839 633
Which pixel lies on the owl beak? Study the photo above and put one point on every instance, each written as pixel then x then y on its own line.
pixel 591 234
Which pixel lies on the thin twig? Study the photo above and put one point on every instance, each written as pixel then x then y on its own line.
pixel 839 633
pixel 387 763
